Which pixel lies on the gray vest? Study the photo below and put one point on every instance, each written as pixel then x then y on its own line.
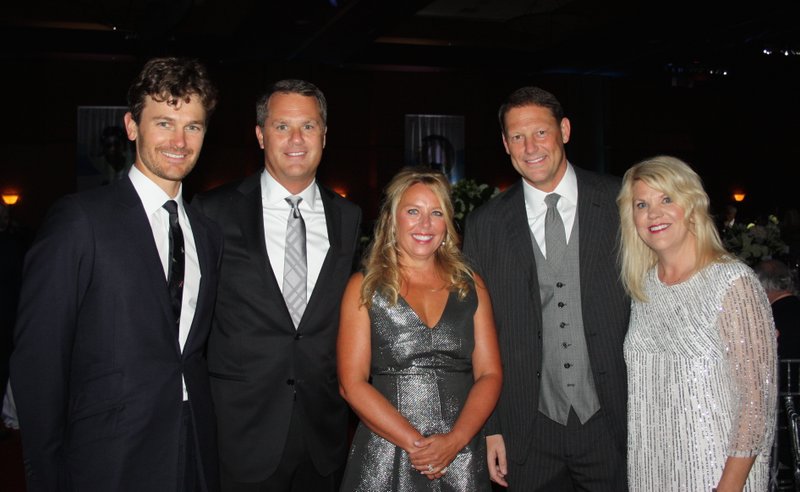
pixel 567 379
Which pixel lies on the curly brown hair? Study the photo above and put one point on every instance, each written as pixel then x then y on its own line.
pixel 171 79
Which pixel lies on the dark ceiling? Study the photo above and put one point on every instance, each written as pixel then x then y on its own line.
pixel 613 37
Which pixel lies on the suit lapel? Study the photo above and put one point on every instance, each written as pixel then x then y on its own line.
pixel 207 266
pixel 140 236
pixel 333 222
pixel 519 233
pixel 251 211
pixel 590 215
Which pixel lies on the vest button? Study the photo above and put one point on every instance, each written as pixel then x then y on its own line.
pixel 562 325
pixel 298 336
pixel 567 365
pixel 561 304
pixel 559 284
pixel 290 382
pixel 538 374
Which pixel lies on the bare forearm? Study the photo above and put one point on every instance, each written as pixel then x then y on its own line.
pixel 380 416
pixel 735 473
pixel 479 405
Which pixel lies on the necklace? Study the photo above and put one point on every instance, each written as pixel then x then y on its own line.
pixel 408 286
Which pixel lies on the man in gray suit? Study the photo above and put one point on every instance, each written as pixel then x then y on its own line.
pixel 546 249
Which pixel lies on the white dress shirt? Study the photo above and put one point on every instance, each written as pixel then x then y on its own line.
pixel 153 199
pixel 276 214
pixel 567 206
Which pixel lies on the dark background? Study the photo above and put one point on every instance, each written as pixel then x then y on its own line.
pixel 636 79
pixel 714 83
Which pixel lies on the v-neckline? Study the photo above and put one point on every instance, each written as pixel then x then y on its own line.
pixel 419 319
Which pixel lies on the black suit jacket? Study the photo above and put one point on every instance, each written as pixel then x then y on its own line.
pixel 256 357
pixel 499 242
pixel 97 366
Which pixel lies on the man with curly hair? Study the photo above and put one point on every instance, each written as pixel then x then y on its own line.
pixel 109 372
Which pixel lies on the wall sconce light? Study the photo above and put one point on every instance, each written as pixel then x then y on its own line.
pixel 341 191
pixel 10 198
pixel 738 196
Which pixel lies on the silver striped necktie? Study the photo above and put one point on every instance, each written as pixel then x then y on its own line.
pixel 295 269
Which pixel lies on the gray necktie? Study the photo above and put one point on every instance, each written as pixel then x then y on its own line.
pixel 555 238
pixel 295 269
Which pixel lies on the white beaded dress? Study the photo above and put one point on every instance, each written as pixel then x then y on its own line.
pixel 701 359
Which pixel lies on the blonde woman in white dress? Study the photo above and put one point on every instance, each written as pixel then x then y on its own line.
pixel 700 349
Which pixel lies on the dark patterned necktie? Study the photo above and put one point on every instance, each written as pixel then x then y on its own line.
pixel 295 268
pixel 176 260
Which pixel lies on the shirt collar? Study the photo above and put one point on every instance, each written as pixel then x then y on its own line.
pixel 567 188
pixel 275 193
pixel 151 195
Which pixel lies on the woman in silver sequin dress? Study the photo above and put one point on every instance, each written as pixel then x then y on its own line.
pixel 700 348
pixel 417 353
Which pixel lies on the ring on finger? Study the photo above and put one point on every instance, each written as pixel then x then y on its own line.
pixel 443 470
pixel 430 468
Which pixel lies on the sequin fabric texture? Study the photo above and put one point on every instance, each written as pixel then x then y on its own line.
pixel 426 373
pixel 701 359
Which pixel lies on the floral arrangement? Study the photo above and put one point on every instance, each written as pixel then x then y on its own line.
pixel 469 195
pixel 755 241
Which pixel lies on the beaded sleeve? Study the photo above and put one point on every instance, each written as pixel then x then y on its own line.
pixel 748 337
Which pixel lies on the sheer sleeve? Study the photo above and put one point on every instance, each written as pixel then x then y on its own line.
pixel 748 337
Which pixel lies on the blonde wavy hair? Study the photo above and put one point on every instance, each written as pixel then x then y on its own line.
pixel 381 266
pixel 676 179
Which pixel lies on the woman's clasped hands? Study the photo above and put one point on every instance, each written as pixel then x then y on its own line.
pixel 433 454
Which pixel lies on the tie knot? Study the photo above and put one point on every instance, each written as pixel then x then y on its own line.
pixel 171 206
pixel 551 200
pixel 294 201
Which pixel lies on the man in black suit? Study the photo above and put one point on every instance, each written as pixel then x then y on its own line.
pixel 561 315
pixel 281 420
pixel 108 372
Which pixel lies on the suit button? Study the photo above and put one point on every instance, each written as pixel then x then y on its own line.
pixel 290 382
pixel 561 304
pixel 559 284
pixel 538 374
pixel 540 334
pixel 567 365
pixel 298 336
